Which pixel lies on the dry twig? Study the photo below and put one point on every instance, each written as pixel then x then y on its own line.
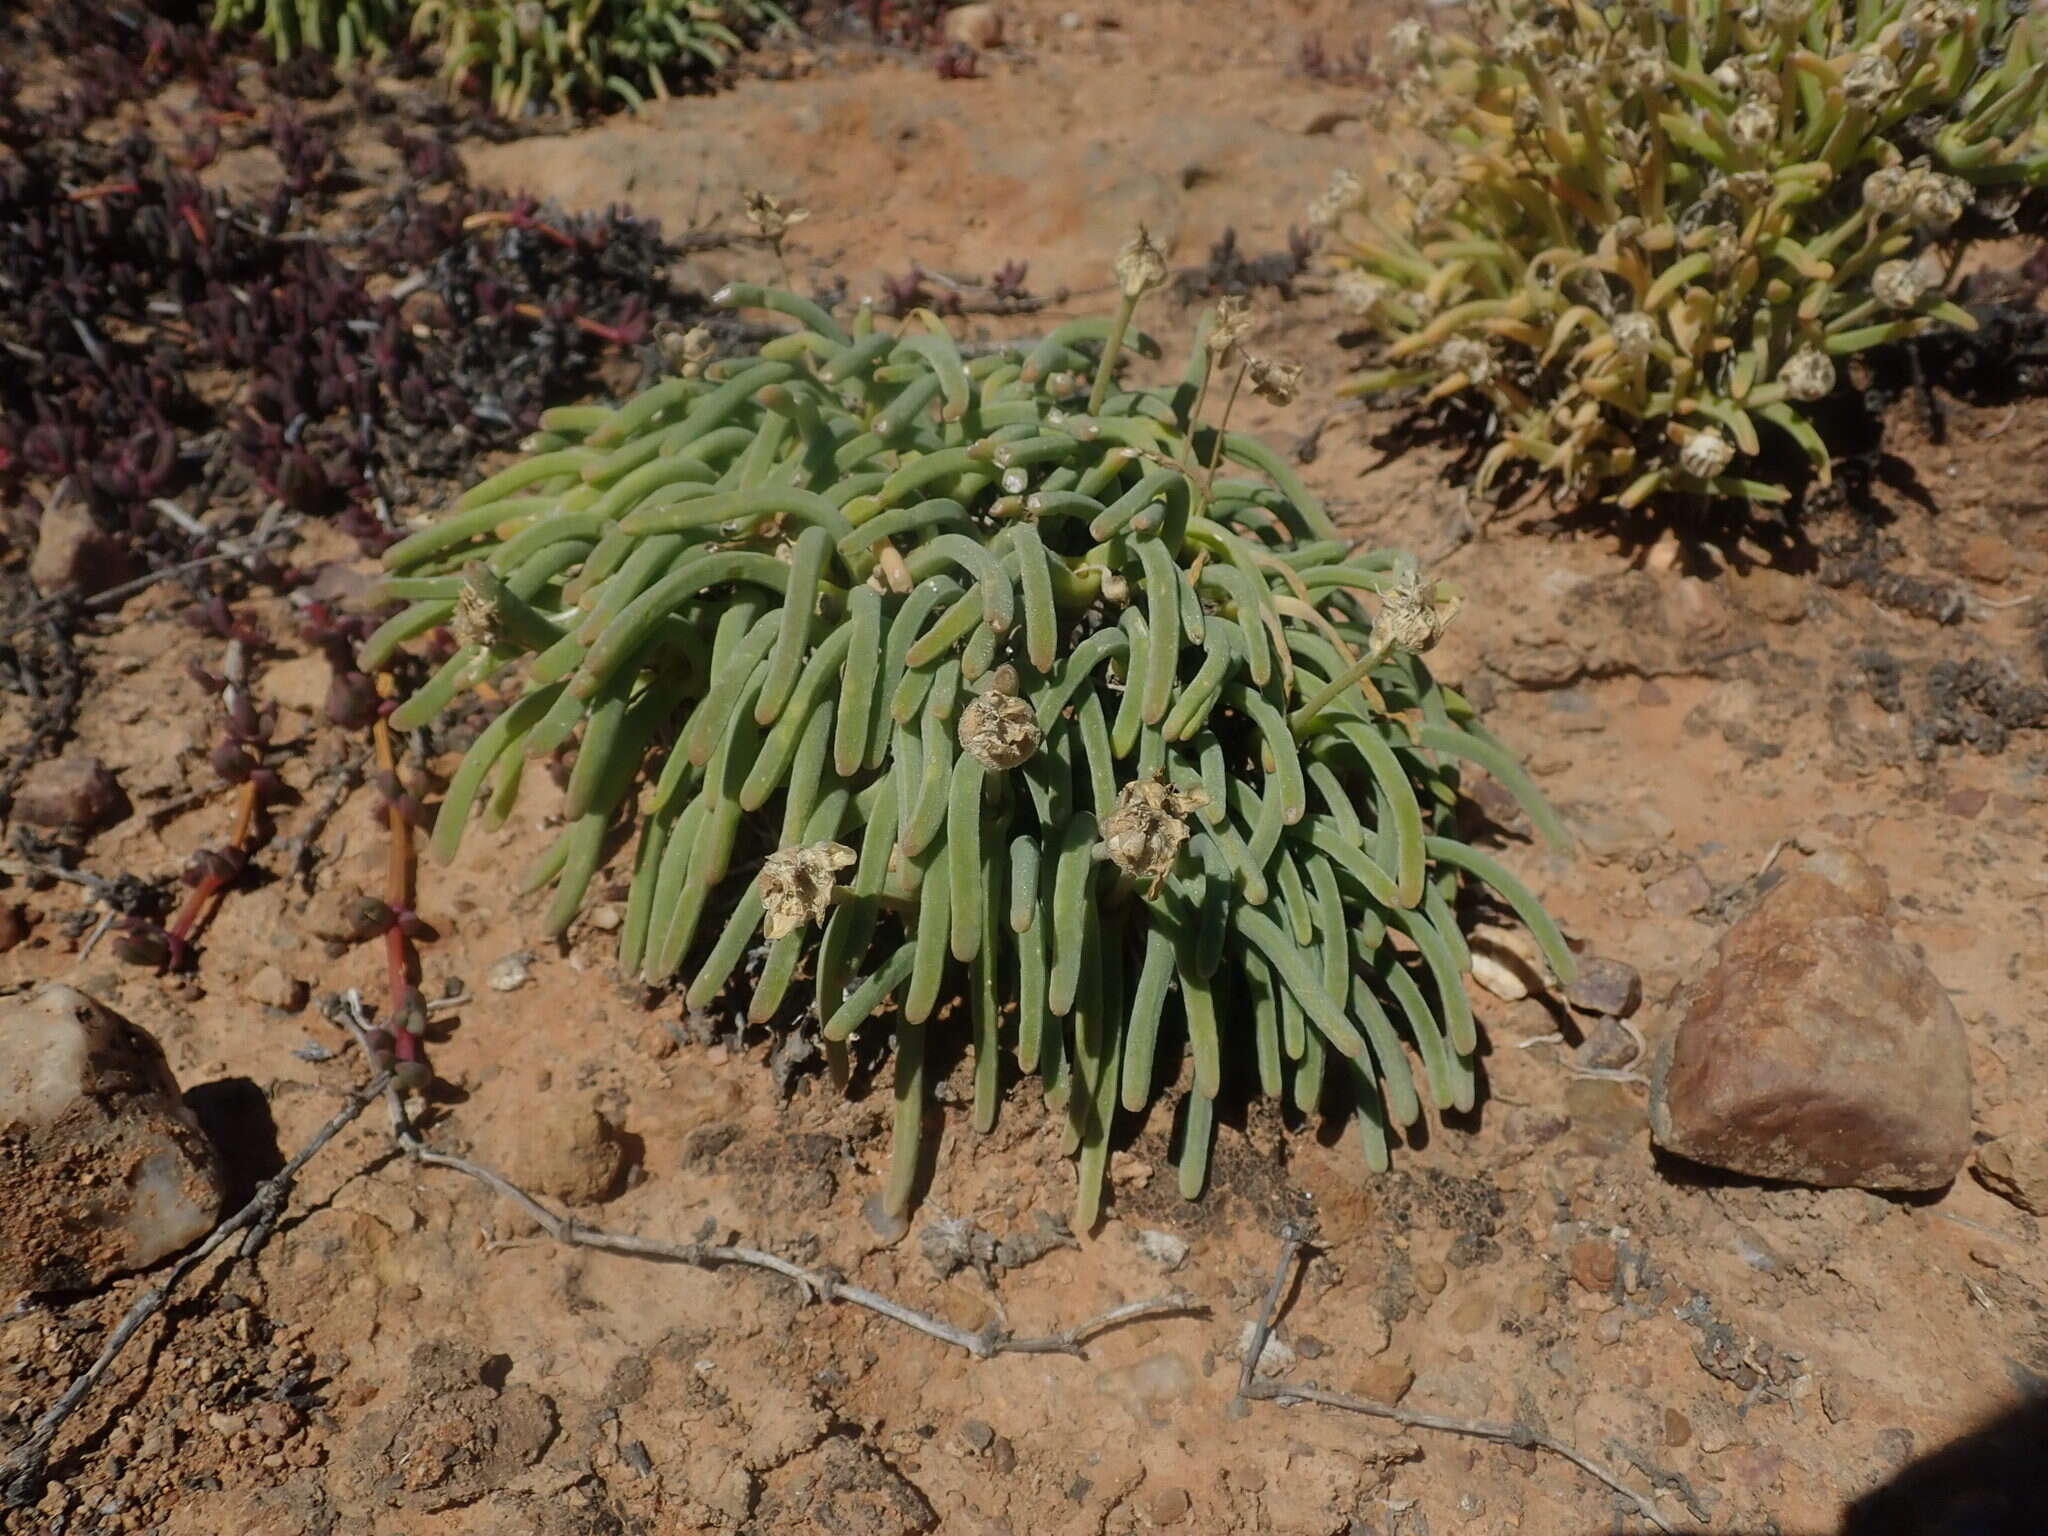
pixel 815 1284
pixel 1520 1435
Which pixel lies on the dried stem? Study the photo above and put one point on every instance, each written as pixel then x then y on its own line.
pixel 398 891
pixel 1520 1435
pixel 815 1284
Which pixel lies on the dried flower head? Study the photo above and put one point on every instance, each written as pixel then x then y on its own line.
pixel 1232 322
pixel 1144 835
pixel 1871 81
pixel 797 883
pixel 477 621
pixel 1706 454
pixel 1898 284
pixel 770 219
pixel 1635 334
pixel 1140 265
pixel 1414 613
pixel 1338 199
pixel 1275 380
pixel 1888 189
pixel 1808 374
pixel 998 730
pixel 1360 293
pixel 1753 124
pixel 1469 356
pixel 1938 201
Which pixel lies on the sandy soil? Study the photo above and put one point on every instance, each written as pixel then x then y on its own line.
pixel 406 1355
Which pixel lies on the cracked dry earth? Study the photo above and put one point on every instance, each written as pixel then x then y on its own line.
pixel 405 1355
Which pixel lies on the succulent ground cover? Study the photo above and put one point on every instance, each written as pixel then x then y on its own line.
pixel 1655 235
pixel 978 695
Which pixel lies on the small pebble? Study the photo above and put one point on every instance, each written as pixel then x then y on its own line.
pixel 1592 1264
pixel 1606 986
pixel 1275 1359
pixel 1677 1428
pixel 1169 1506
pixel 1608 1329
pixel 1431 1276
pixel 1161 1248
pixel 511 973
pixel 976 1435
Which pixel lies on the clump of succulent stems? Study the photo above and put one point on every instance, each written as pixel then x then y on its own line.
pixel 1658 230
pixel 925 676
pixel 522 54
pixel 347 29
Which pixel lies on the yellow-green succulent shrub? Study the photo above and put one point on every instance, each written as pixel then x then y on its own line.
pixel 1647 233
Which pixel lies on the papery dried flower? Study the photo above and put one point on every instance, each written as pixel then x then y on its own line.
pixel 1227 331
pixel 686 352
pixel 1144 835
pixel 1808 374
pixel 1140 265
pixel 1888 190
pixel 1635 334
pixel 1473 358
pixel 1898 284
pixel 1870 81
pixel 1705 455
pixel 796 885
pixel 1753 124
pixel 1360 293
pixel 1339 198
pixel 1274 380
pixel 999 730
pixel 1938 201
pixel 770 219
pixel 1413 615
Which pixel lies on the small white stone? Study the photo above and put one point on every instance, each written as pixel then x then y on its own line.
pixel 510 973
pixel 1276 1359
pixel 1161 1248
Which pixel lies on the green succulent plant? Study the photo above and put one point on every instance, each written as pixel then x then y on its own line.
pixel 347 29
pixel 575 53
pixel 1660 226
pixel 923 674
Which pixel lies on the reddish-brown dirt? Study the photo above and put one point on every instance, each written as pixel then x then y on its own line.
pixel 406 1355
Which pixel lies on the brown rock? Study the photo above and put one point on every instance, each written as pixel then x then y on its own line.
pixel 1811 1047
pixel 14 925
pixel 1986 557
pixel 1169 1506
pixel 1677 1428
pixel 1593 1265
pixel 1386 1381
pixel 2016 1167
pixel 105 1168
pixel 1538 666
pixel 564 1149
pixel 74 793
pixel 1606 986
pixel 74 557
pixel 273 989
pixel 1771 594
pixel 1679 894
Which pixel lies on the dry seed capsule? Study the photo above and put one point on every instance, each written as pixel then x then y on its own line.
pixel 797 883
pixel 1871 81
pixel 1889 190
pixel 1753 124
pixel 1938 201
pixel 1808 374
pixel 999 730
pixel 1635 334
pixel 1143 836
pixel 1361 293
pixel 1461 354
pixel 1898 284
pixel 1705 454
pixel 1412 616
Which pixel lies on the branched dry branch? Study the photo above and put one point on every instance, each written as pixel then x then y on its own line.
pixel 21 1473
pixel 1521 1435
pixel 815 1284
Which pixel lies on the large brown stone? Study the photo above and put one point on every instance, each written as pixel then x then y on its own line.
pixel 1813 1048
pixel 72 793
pixel 74 556
pixel 104 1169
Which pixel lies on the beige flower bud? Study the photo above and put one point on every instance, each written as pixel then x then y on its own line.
pixel 1808 374
pixel 1140 265
pixel 998 730
pixel 686 351
pixel 796 885
pixel 1705 454
pixel 1898 284
pixel 770 219
pixel 1144 835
